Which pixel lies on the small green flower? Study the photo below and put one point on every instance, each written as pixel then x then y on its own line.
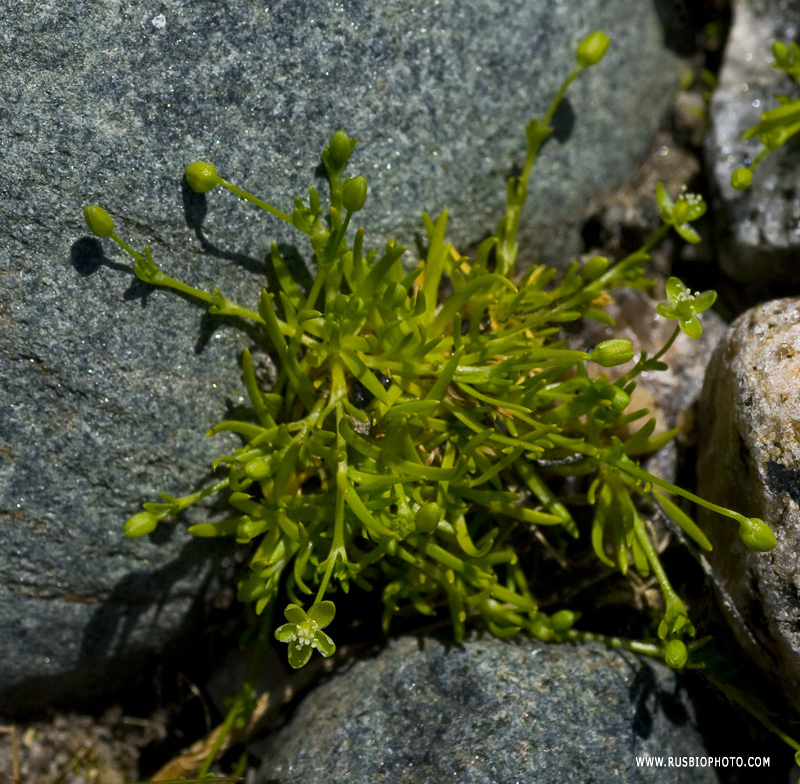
pixel 684 306
pixel 679 214
pixel 304 632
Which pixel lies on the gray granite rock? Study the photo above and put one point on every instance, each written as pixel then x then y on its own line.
pixel 758 229
pixel 487 712
pixel 108 386
pixel 749 460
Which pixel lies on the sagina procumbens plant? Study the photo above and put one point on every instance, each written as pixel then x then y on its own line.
pixel 410 431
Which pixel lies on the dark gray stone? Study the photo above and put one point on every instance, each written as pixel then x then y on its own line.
pixel 749 460
pixel 488 712
pixel 758 229
pixel 108 386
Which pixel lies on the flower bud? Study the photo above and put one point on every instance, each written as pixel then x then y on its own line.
pixel 339 148
pixel 612 352
pixel 595 267
pixel 781 54
pixel 140 525
pixel 591 49
pixel 354 194
pixel 676 654
pixel 98 221
pixel 562 621
pixel 427 517
pixel 258 469
pixel 741 179
pixel 756 535
pixel 618 399
pixel 202 176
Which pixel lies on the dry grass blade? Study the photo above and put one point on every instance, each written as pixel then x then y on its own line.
pixel 268 704
pixel 16 773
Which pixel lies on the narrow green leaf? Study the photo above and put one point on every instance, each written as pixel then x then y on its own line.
pixel 287 282
pixel 434 263
pixel 684 522
pixel 357 367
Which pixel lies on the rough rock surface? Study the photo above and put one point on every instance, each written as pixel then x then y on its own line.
pixel 108 386
pixel 758 229
pixel 485 712
pixel 749 460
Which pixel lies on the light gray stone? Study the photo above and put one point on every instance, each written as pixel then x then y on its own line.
pixel 489 711
pixel 108 386
pixel 758 229
pixel 749 461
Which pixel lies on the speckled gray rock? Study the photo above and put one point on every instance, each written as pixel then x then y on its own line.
pixel 488 712
pixel 108 387
pixel 758 229
pixel 749 460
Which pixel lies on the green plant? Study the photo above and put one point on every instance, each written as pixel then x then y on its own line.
pixel 777 125
pixel 410 432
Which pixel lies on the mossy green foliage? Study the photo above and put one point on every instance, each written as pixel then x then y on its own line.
pixel 777 125
pixel 408 431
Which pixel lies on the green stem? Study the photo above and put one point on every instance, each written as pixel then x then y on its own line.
pixel 534 150
pixel 338 549
pixel 658 235
pixel 253 200
pixel 127 248
pixel 336 240
pixel 640 365
pixel 627 466
pixel 736 696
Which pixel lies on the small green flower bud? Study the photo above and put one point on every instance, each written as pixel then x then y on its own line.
pixel 339 149
pixel 676 654
pixel 427 517
pixel 595 267
pixel 741 179
pixel 354 194
pixel 202 176
pixel 618 399
pixel 562 621
pixel 98 221
pixel 140 525
pixel 591 49
pixel 612 352
pixel 781 54
pixel 756 535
